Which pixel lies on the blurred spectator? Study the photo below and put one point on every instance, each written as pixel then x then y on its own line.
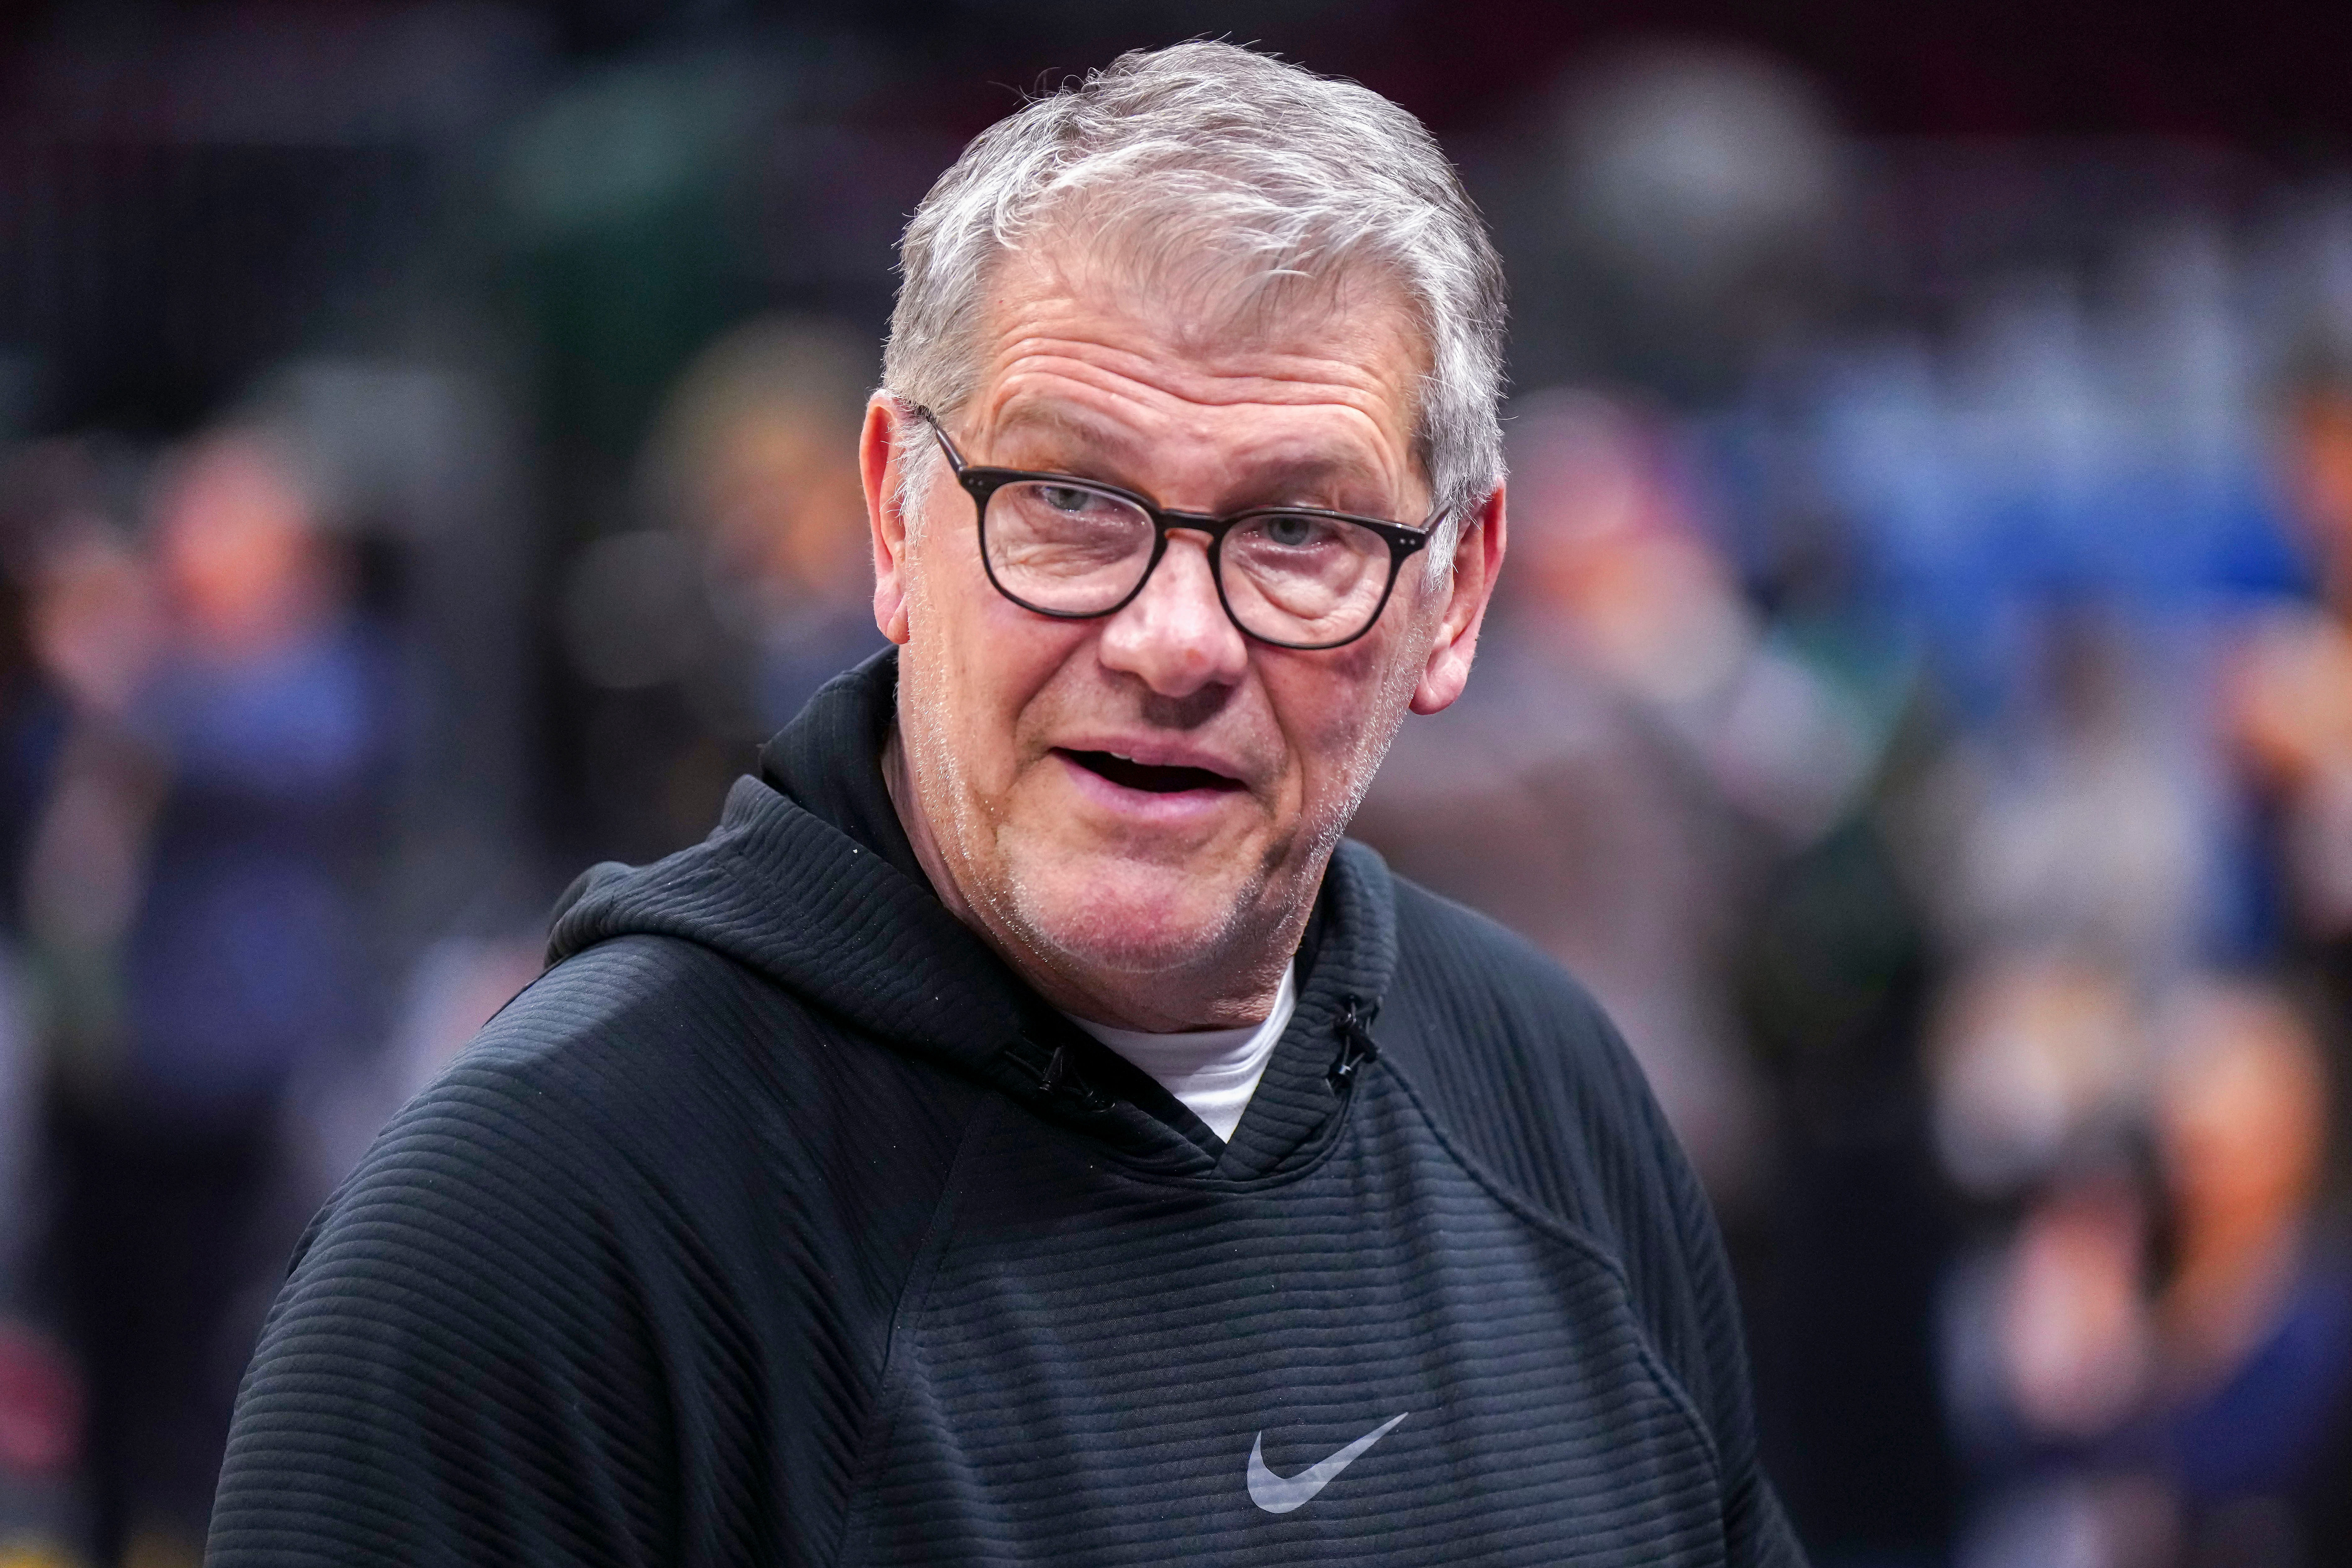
pixel 2255 1313
pixel 751 585
pixel 2074 819
pixel 47 496
pixel 1693 196
pixel 2034 1051
pixel 753 461
pixel 2050 1336
pixel 1648 770
pixel 94 629
pixel 2154 1365
pixel 193 894
pixel 1569 793
pixel 2291 692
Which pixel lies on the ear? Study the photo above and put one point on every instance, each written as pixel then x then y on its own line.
pixel 877 466
pixel 1478 558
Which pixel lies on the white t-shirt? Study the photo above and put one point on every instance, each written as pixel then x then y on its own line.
pixel 1213 1071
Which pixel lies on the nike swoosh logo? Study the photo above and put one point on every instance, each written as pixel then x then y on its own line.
pixel 1277 1494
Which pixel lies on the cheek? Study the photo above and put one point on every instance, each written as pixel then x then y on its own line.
pixel 983 663
pixel 1338 715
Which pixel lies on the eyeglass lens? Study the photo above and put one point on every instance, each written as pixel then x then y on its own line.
pixel 1289 577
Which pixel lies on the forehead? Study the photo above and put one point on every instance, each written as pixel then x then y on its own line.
pixel 1081 335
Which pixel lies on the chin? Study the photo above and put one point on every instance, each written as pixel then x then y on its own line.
pixel 1130 919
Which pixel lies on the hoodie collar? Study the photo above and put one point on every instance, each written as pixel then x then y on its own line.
pixel 809 878
pixel 814 762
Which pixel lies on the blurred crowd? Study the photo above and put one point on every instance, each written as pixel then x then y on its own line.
pixel 1980 922
pixel 1919 705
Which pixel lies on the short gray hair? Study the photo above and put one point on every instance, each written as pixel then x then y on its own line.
pixel 1218 159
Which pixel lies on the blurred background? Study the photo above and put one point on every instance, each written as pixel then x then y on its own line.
pixel 1920 703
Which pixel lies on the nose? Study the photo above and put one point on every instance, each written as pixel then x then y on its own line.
pixel 1175 635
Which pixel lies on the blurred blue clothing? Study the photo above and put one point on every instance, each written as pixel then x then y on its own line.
pixel 1963 512
pixel 2265 1430
pixel 248 952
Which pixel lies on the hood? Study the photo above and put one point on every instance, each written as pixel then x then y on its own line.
pixel 809 880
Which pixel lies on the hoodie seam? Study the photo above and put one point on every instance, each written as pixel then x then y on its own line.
pixel 1576 1238
pixel 905 1313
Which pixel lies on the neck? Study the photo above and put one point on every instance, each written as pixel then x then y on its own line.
pixel 1218 993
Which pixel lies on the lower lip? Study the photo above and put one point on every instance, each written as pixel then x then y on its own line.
pixel 1143 805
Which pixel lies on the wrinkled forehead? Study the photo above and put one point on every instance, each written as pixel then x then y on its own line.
pixel 1205 322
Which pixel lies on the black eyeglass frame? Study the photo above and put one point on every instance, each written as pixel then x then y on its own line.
pixel 981 482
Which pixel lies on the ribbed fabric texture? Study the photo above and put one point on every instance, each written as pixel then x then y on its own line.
pixel 779 1223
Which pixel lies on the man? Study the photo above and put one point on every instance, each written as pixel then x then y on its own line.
pixel 1023 1131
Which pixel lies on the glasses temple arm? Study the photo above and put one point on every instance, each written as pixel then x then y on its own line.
pixel 955 459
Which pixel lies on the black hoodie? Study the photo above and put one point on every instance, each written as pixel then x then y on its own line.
pixel 779 1221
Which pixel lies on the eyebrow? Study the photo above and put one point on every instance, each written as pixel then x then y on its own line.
pixel 1292 473
pixel 1059 420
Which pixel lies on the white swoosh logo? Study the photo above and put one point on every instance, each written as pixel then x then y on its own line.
pixel 1276 1494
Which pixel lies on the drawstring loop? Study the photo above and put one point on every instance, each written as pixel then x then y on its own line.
pixel 1357 1046
pixel 1059 1078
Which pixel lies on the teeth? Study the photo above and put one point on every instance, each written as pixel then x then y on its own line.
pixel 1123 756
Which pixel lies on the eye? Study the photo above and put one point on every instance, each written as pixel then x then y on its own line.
pixel 1068 498
pixel 1289 530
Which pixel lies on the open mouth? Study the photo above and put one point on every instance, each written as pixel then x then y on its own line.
pixel 1148 777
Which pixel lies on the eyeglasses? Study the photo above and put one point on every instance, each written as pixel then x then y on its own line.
pixel 1296 577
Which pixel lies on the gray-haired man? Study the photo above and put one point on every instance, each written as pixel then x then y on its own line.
pixel 1024 1130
